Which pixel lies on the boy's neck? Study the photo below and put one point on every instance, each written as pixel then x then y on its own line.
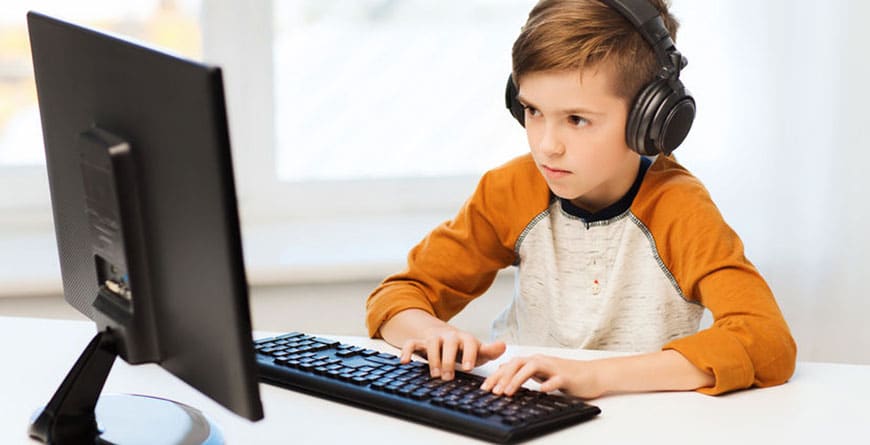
pixel 613 207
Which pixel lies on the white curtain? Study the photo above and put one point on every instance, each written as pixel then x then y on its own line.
pixel 780 140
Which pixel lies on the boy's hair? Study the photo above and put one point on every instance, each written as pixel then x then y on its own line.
pixel 579 34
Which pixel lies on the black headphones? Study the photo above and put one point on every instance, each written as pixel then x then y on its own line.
pixel 663 111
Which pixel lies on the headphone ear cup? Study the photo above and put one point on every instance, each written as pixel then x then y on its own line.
pixel 639 119
pixel 673 120
pixel 660 118
pixel 513 105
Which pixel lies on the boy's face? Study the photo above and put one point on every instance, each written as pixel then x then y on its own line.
pixel 576 130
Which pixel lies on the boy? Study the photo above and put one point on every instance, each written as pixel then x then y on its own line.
pixel 614 251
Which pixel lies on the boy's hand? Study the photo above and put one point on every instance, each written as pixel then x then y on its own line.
pixel 578 378
pixel 443 345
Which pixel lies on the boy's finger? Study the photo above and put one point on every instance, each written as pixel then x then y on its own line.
pixel 490 351
pixel 448 357
pixel 469 353
pixel 505 374
pixel 407 349
pixel 433 353
pixel 552 384
pixel 489 381
pixel 526 372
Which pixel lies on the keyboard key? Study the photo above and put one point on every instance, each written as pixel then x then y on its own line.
pixel 393 387
pixel 326 341
pixel 481 412
pixel 510 420
pixel 545 408
pixel 420 394
pixel 359 366
pixel 382 360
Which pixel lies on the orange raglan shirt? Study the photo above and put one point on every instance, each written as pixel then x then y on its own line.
pixel 633 277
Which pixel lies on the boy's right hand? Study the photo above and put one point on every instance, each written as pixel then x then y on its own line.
pixel 443 346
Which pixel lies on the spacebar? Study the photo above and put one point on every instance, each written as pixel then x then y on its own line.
pixel 384 359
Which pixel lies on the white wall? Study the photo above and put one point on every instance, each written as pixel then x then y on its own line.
pixel 780 140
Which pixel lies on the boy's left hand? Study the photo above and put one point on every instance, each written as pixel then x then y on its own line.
pixel 575 377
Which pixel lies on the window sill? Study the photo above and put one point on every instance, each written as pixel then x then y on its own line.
pixel 299 252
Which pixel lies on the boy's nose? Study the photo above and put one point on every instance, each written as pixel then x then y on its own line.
pixel 549 144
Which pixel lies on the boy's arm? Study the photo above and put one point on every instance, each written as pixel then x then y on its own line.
pixel 656 371
pixel 749 343
pixel 454 264
pixel 458 260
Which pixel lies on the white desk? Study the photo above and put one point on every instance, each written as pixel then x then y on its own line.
pixel 823 403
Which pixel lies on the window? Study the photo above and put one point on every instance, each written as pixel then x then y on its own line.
pixel 368 107
pixel 393 89
pixel 373 106
pixel 23 183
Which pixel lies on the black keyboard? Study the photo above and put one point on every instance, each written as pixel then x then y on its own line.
pixel 377 381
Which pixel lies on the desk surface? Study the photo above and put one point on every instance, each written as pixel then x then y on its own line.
pixel 823 401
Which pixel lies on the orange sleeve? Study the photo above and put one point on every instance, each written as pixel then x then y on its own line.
pixel 458 261
pixel 749 343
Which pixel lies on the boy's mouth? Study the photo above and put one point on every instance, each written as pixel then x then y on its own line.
pixel 553 172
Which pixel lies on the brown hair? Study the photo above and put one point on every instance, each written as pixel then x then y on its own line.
pixel 579 34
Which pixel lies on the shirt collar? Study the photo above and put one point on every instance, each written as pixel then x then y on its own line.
pixel 617 208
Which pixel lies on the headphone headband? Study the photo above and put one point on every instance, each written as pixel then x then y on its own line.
pixel 649 24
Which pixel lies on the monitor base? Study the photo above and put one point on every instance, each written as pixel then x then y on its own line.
pixel 137 419
pixel 78 414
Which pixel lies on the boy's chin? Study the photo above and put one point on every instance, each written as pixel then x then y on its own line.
pixel 562 193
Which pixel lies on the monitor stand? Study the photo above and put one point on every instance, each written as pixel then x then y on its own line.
pixel 76 414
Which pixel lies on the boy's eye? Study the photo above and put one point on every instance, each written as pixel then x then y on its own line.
pixel 579 121
pixel 531 110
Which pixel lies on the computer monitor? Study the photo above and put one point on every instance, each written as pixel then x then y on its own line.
pixel 141 179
